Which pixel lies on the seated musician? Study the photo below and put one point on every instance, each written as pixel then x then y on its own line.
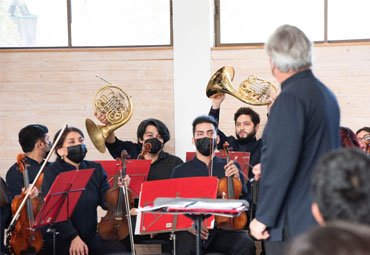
pixel 79 234
pixel 4 212
pixel 34 140
pixel 216 240
pixel 151 131
pixel 363 137
pixel 246 126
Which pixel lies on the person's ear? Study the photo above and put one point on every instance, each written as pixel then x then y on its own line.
pixel 317 214
pixel 193 140
pixel 257 126
pixel 218 139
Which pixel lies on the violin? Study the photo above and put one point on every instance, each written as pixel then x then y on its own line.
pixel 114 225
pixel 230 188
pixel 147 148
pixel 23 238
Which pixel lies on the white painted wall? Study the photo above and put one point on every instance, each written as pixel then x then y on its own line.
pixel 192 66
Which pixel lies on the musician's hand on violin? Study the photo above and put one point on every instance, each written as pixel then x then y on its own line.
pixel 133 211
pixel 78 247
pixel 204 232
pixel 258 230
pixel 217 100
pixel 231 170
pixel 257 171
pixel 34 193
pixel 125 181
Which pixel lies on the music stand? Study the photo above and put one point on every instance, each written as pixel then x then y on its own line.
pixel 138 171
pixel 241 157
pixel 62 198
pixel 198 210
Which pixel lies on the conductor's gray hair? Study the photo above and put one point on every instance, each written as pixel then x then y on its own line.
pixel 289 49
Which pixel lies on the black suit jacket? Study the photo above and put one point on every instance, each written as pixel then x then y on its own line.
pixel 303 125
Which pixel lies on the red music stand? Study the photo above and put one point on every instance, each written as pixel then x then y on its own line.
pixel 62 199
pixel 138 171
pixel 193 187
pixel 241 157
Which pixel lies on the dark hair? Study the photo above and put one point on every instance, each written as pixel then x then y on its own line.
pixel 162 129
pixel 348 138
pixel 339 238
pixel 247 111
pixel 340 185
pixel 29 135
pixel 63 138
pixel 367 129
pixel 205 119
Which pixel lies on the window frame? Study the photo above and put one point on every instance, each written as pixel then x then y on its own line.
pixel 217 34
pixel 70 46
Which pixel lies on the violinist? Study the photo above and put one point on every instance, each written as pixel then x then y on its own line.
pixel 34 140
pixel 79 236
pixel 5 213
pixel 151 131
pixel 216 240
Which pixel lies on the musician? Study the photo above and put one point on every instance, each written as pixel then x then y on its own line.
pixel 247 123
pixel 5 212
pixel 340 187
pixel 34 140
pixel 363 137
pixel 303 125
pixel 151 131
pixel 348 138
pixel 79 236
pixel 219 240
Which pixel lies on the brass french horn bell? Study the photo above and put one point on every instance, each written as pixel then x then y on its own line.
pixel 116 105
pixel 253 91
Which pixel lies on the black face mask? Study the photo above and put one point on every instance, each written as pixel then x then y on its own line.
pixel 156 145
pixel 203 145
pixel 76 153
pixel 47 152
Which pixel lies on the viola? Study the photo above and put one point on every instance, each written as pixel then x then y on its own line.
pixel 114 225
pixel 230 188
pixel 23 238
pixel 147 148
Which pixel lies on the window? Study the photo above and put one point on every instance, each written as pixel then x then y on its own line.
pixel 92 23
pixel 251 22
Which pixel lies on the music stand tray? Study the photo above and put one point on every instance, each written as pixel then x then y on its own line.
pixel 198 209
pixel 62 197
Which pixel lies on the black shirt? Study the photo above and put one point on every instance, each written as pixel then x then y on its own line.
pixel 14 178
pixel 253 146
pixel 83 221
pixel 159 169
pixel 195 168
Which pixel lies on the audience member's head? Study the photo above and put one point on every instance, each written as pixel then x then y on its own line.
pixel 363 137
pixel 336 238
pixel 348 138
pixel 340 187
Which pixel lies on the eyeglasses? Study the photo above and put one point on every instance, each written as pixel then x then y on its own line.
pixel 364 138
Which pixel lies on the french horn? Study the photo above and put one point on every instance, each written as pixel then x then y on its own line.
pixel 117 107
pixel 252 91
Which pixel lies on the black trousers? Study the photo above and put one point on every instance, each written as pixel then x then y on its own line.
pixel 101 247
pixel 233 242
